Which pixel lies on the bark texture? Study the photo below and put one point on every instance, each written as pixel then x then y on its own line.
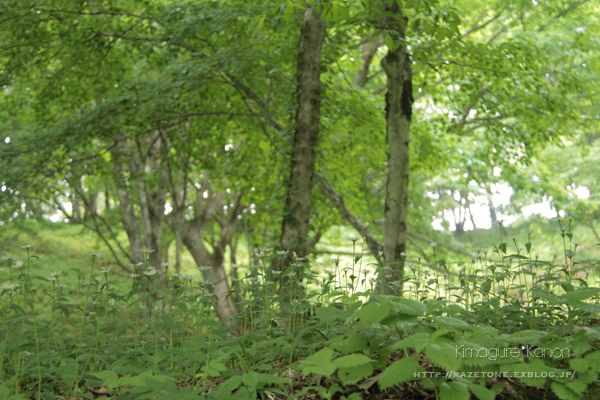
pixel 398 99
pixel 298 203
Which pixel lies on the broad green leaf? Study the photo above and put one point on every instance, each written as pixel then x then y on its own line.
pixel 355 374
pixel 409 307
pixel 481 392
pixel 528 337
pixel 454 391
pixel 374 312
pixel 351 360
pixel 418 341
pixel 563 392
pixel 450 322
pixel 354 342
pixel 405 369
pixel 443 355
pixel 579 364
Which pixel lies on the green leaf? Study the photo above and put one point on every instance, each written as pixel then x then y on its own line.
pixel 454 391
pixel 450 322
pixel 110 378
pixel 319 363
pixel 481 392
pixel 418 341
pixel 374 312
pixel 527 337
pixel 443 355
pixel 580 294
pixel 409 307
pixel 579 364
pixel 330 314
pixel 354 342
pixel 563 392
pixel 351 360
pixel 405 369
pixel 355 374
pixel 250 379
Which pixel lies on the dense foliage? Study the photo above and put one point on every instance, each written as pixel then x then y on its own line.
pixel 237 137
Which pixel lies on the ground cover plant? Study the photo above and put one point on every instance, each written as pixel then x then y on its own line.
pixel 505 325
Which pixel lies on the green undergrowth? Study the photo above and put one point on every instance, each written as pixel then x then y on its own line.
pixel 503 325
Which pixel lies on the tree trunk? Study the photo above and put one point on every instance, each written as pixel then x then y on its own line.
pixel 398 99
pixel 215 276
pixel 298 202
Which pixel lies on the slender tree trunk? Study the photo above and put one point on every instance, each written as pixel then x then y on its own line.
pixel 215 276
pixel 398 99
pixel 295 225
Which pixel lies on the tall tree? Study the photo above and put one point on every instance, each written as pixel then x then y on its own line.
pixel 297 212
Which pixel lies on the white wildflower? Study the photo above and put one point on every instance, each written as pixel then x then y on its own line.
pixel 27 246
pixel 134 275
pixel 165 264
pixel 150 271
pixel 105 270
pixel 62 286
pixel 433 244
pixel 204 268
pixel 18 264
pixel 55 273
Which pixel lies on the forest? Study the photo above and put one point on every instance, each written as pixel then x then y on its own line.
pixel 300 199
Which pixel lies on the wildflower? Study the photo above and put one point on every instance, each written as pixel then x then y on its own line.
pixel 147 251
pixel 28 353
pixel 94 254
pixel 268 282
pixel 372 281
pixel 328 272
pixel 282 252
pixel 105 270
pixel 387 268
pixel 403 254
pixel 354 238
pixel 136 265
pixel 298 258
pixel 18 264
pixel 165 264
pixel 209 295
pixel 335 260
pixel 10 286
pixel 264 249
pixel 367 271
pixel 190 277
pixel 205 268
pixel 111 302
pixel 55 273
pixel 96 278
pixel 52 278
pixel 175 275
pixel 62 286
pixel 92 313
pixel 134 275
pixel 150 271
pixel 388 276
pixel 235 266
pixel 27 246
pixel 276 272
pixel 433 244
